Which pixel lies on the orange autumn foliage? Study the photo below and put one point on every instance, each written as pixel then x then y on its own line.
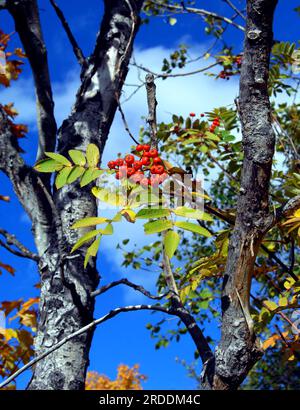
pixel 127 379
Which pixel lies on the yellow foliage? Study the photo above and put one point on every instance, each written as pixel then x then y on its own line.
pixel 127 379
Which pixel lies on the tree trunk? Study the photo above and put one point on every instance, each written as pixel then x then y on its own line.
pixel 66 304
pixel 238 349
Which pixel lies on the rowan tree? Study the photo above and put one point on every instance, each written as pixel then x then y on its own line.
pixel 240 246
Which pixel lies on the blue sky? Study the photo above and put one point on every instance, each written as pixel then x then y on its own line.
pixel 123 339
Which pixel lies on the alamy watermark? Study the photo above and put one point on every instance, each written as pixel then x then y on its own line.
pixel 176 191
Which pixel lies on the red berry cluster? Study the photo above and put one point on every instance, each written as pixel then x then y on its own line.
pixel 136 169
pixel 192 114
pixel 215 124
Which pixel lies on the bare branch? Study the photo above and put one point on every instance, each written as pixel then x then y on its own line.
pixel 27 21
pixel 25 183
pixel 84 329
pixel 126 282
pixel 200 12
pixel 152 104
pixel 164 75
pixel 236 9
pixel 77 50
pixel 126 126
pixel 22 250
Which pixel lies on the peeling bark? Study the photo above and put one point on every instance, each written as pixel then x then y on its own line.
pixel 66 304
pixel 238 349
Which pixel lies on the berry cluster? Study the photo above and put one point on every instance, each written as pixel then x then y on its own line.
pixel 229 71
pixel 136 170
pixel 215 124
pixel 192 114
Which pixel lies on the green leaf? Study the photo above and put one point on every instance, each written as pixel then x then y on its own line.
pixel 48 165
pixel 90 175
pixel 62 177
pixel 92 251
pixel 59 158
pixel 188 226
pixel 171 242
pixel 172 21
pixel 192 213
pixel 270 305
pixel 108 230
pixel 211 136
pixel 91 221
pixel 85 238
pixel 92 155
pixel 157 226
pixel 148 213
pixel 75 174
pixel 77 157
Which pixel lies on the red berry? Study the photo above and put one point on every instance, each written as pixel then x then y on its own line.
pixel 192 114
pixel 118 175
pixel 160 169
pixel 139 147
pixel 146 147
pixel 145 161
pixel 129 159
pixel 119 162
pixel 153 153
pixel 157 161
pixel 201 115
pixel 130 172
pixel 111 164
pixel 137 165
pixel 153 169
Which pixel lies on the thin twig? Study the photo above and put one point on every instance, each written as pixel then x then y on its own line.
pixel 134 286
pixel 164 75
pixel 126 126
pixel 77 50
pixel 233 6
pixel 201 12
pixel 22 251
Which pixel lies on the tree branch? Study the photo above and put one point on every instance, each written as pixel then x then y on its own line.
pixel 76 49
pixel 177 306
pixel 234 8
pixel 238 349
pixel 152 104
pixel 22 250
pixel 200 12
pixel 134 286
pixel 79 332
pixel 26 184
pixel 27 22
pixel 163 75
